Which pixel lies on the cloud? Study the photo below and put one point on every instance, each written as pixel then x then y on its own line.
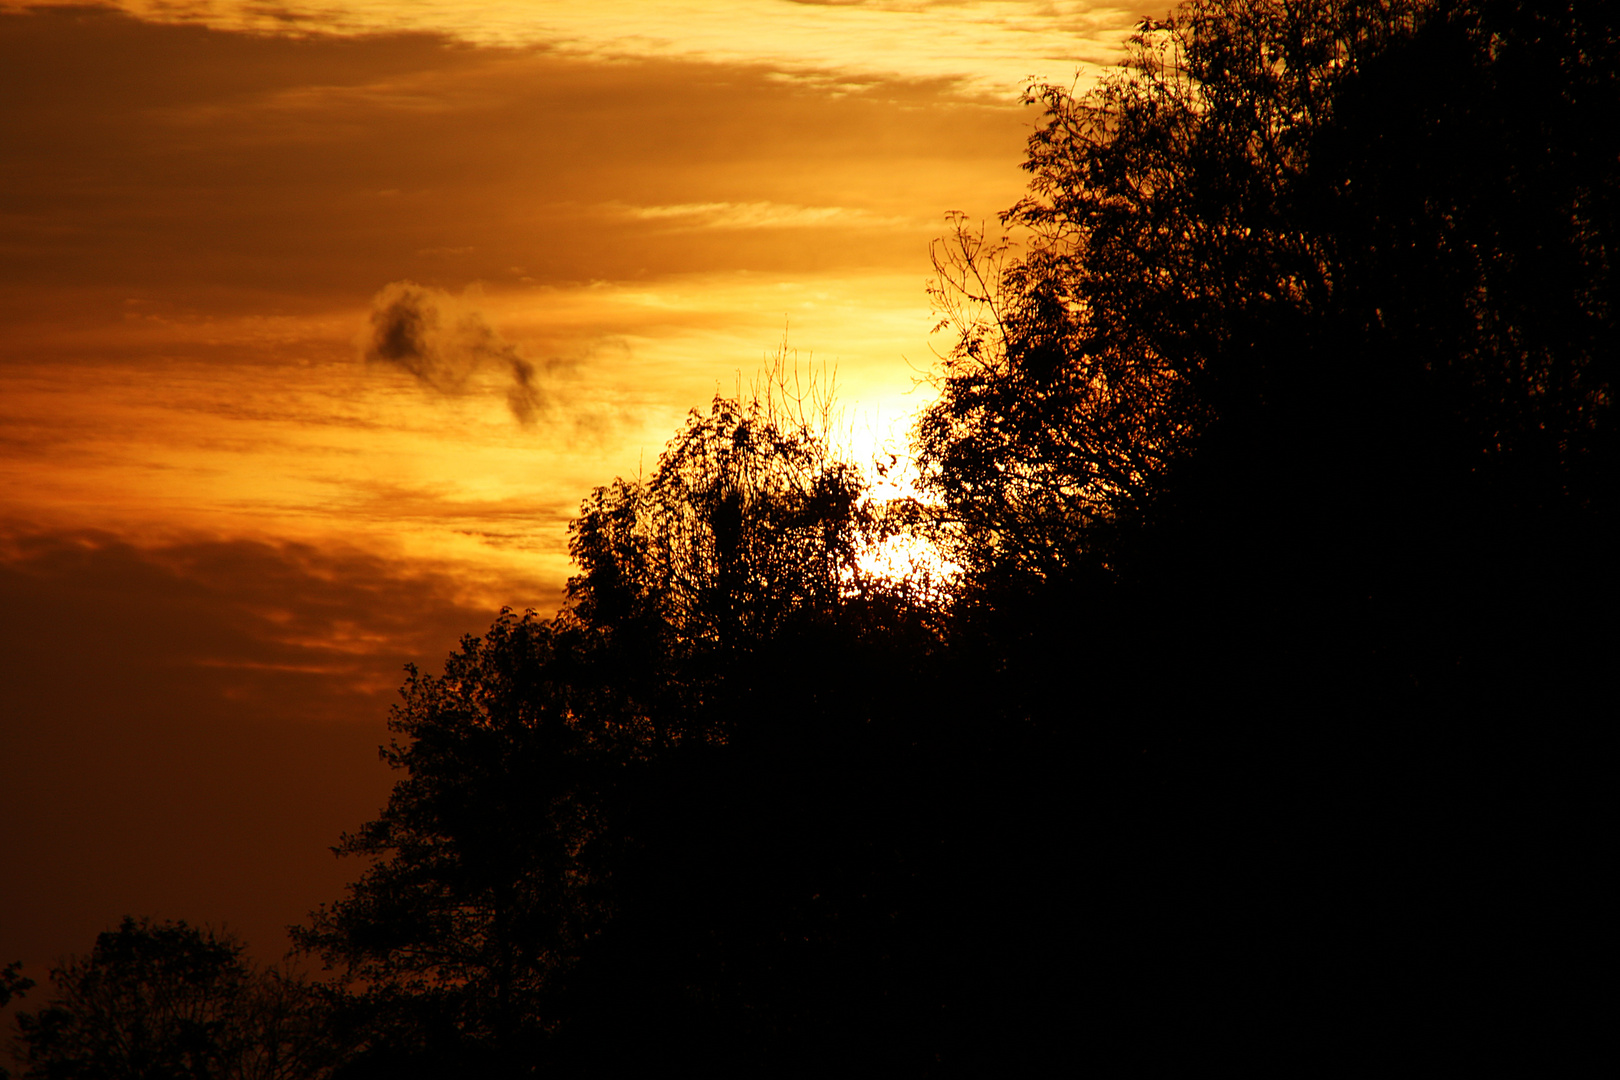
pixel 445 342
pixel 760 215
pixel 986 46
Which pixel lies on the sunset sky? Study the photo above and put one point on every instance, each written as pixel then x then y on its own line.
pixel 223 530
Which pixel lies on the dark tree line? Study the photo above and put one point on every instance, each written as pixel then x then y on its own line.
pixel 1275 447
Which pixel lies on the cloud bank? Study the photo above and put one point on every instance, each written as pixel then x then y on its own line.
pixel 987 46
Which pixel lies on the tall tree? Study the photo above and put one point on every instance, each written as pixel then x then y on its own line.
pixel 1281 460
pixel 1316 311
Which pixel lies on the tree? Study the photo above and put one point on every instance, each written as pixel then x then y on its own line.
pixel 485 874
pixel 166 1000
pixel 751 517
pixel 1280 457
pixel 13 984
pixel 614 804
pixel 1314 315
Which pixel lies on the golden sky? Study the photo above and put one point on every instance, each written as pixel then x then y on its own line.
pixel 223 530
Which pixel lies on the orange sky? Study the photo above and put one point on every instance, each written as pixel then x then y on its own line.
pixel 222 531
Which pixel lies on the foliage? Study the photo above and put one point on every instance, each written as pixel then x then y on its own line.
pixel 548 772
pixel 750 518
pixel 483 880
pixel 165 1000
pixel 1280 454
pixel 1286 231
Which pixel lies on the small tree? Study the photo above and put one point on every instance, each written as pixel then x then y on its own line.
pixel 166 1000
pixel 486 868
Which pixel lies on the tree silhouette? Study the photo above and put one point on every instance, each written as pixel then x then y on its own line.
pixel 1315 313
pixel 661 796
pixel 482 883
pixel 745 523
pixel 165 1000
pixel 1280 457
pixel 13 984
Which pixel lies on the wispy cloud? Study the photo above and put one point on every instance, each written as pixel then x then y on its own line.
pixel 758 215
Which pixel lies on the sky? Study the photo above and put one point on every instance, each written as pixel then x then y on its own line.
pixel 318 320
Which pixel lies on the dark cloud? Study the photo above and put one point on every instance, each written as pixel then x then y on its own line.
pixel 523 395
pixel 186 729
pixel 444 343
